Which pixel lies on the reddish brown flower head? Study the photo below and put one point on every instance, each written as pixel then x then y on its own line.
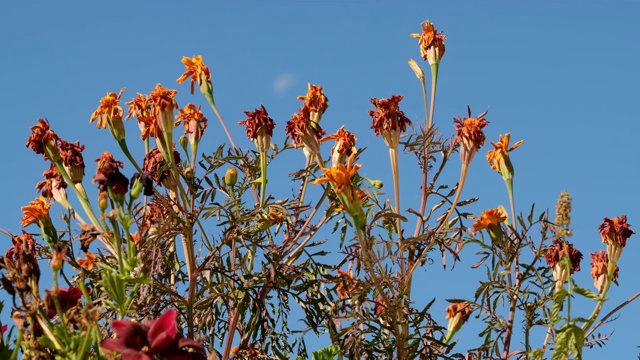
pixel 343 148
pixel 259 127
pixel 599 269
pixel 615 231
pixel 470 135
pixel 42 136
pixel 53 184
pixel 35 212
pixel 346 284
pixel 155 165
pixel 196 69
pixel 108 110
pixel 431 43
pixel 560 249
pixel 108 174
pixel 67 298
pixel 193 119
pixel 315 100
pixel 304 131
pixel 22 243
pixel 388 120
pixel 71 154
pixel 149 339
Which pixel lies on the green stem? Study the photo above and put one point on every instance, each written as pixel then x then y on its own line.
pixel 263 176
pixel 509 183
pixel 393 157
pixel 603 296
pixel 434 83
pixel 127 153
pixel 212 103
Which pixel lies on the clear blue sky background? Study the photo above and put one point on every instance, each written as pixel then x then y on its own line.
pixel 562 75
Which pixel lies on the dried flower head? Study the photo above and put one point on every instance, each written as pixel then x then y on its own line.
pixel 600 268
pixel 110 112
pixel 315 101
pixel 615 233
pixel 388 120
pixel 259 127
pixel 343 148
pixel 554 255
pixel 499 159
pixel 198 71
pixel 44 141
pixel 431 43
pixel 470 135
pixel 53 185
pixel 21 243
pixel 158 169
pixel 304 131
pixel 347 284
pixel 72 160
pixel 108 175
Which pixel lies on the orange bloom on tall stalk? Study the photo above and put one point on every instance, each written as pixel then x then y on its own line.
pixel 110 112
pixel 198 71
pixel 44 141
pixel 499 159
pixel 431 43
pixel 554 255
pixel 599 270
pixel 388 120
pixel 315 101
pixel 304 131
pixel 470 135
pixel 193 120
pixel 140 107
pixel 340 175
pixel 615 233
pixel 490 220
pixel 163 102
pixel 35 211
pixel 259 127
pixel 345 145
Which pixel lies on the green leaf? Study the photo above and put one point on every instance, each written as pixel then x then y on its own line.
pixel 328 353
pixel 586 293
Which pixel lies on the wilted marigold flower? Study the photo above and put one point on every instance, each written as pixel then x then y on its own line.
pixel 259 127
pixel 89 263
pixel 304 131
pixel 457 314
pixel 315 101
pixel 615 233
pixel 163 102
pixel 108 175
pixel 110 112
pixel 431 43
pixel 198 71
pixel 72 160
pixel 600 268
pixel 156 166
pixel 35 212
pixel 554 255
pixel 44 141
pixel 499 159
pixel 347 284
pixel 67 298
pixel 388 120
pixel 53 185
pixel 194 122
pixel 343 148
pixel 470 135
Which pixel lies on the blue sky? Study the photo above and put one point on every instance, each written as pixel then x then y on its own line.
pixel 562 75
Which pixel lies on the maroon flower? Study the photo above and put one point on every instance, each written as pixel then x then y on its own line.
pixel 67 298
pixel 143 340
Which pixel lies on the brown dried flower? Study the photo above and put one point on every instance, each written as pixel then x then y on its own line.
pixel 388 120
pixel 470 135
pixel 259 127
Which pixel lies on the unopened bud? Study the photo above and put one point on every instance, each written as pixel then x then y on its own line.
pixel 416 69
pixel 231 177
pixel 103 201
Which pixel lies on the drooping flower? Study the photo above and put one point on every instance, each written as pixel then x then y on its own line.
pixel 89 262
pixel 108 175
pixel 140 107
pixel 615 233
pixel 490 220
pixel 470 135
pixel 558 250
pixel 259 128
pixel 67 299
pixel 158 169
pixel 304 131
pixel 499 158
pixel 388 120
pixel 600 268
pixel 72 160
pixel 44 141
pixel 53 186
pixel 315 101
pixel 343 148
pixel 198 71
pixel 194 121
pixel 150 338
pixel 457 314
pixel 110 112
pixel 22 243
pixel 431 43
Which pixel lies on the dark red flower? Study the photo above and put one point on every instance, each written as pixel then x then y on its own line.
pixel 143 340
pixel 67 298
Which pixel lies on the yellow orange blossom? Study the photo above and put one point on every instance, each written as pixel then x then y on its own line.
pixel 35 211
pixel 340 175
pixel 315 100
pixel 344 146
pixel 431 43
pixel 491 217
pixel 470 135
pixel 498 158
pixel 162 99
pixel 109 108
pixel 90 262
pixel 457 314
pixel 196 69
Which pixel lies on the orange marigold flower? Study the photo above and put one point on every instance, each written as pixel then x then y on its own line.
pixel 196 69
pixel 388 120
pixel 599 269
pixel 315 101
pixel 108 109
pixel 162 101
pixel 499 159
pixel 457 314
pixel 491 217
pixel 72 160
pixel 193 120
pixel 140 107
pixel 431 43
pixel 89 263
pixel 44 141
pixel 344 146
pixel 470 135
pixel 259 127
pixel 615 233
pixel 35 211
pixel 340 175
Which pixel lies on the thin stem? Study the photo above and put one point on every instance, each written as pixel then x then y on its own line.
pixel 393 157
pixel 127 153
pixel 263 176
pixel 509 183
pixel 603 296
pixel 305 180
pixel 434 83
pixel 463 177
pixel 212 103
pixel 611 313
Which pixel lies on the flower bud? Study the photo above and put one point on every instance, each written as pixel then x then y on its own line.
pixel 231 177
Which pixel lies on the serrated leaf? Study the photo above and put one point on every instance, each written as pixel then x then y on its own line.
pixel 586 293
